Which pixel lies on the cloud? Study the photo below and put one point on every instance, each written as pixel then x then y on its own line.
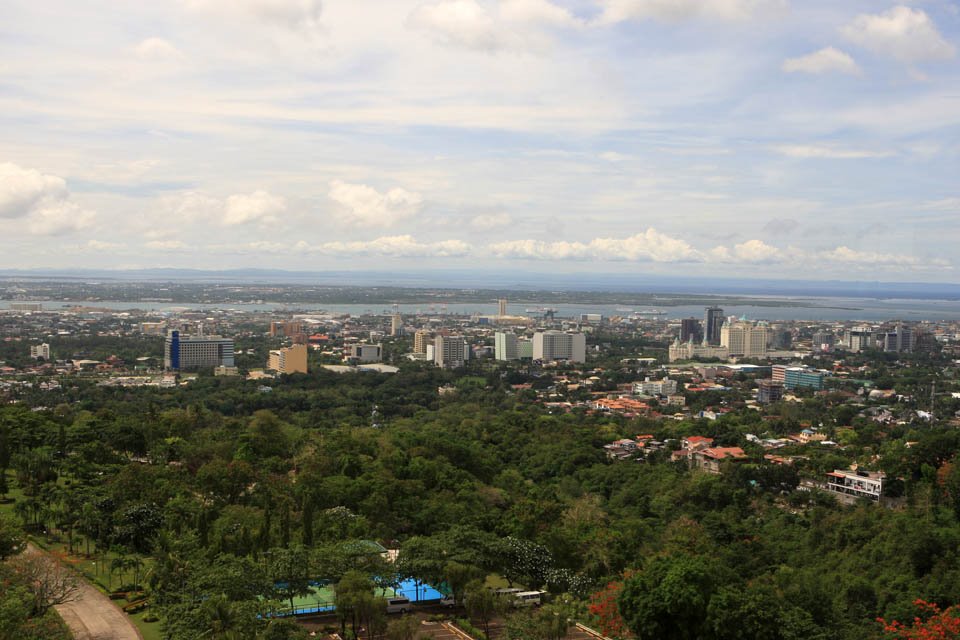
pixel 299 15
pixel 398 247
pixel 902 33
pixel 489 221
pixel 41 200
pixel 157 49
pixel 166 245
pixel 826 60
pixel 364 205
pixel 258 206
pixel 650 246
pixel 846 255
pixel 512 24
pixel 22 189
pixel 833 153
pixel 680 10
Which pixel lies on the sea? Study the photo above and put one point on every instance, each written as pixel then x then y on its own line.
pixel 770 308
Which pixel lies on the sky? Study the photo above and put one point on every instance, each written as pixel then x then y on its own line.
pixel 796 139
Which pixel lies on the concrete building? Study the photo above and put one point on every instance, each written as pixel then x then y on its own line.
pixel 745 339
pixel 859 338
pixel 502 307
pixel 364 353
pixel 693 351
pixel 690 329
pixel 858 484
pixel 524 349
pixel 823 341
pixel 797 377
pixel 549 346
pixel 153 328
pixel 900 340
pixel 289 359
pixel 286 328
pixel 450 352
pixel 505 346
pixel 650 387
pixel 712 322
pixel 182 352
pixel 769 391
pixel 26 306
pixel 420 341
pixel 396 325
pixel 40 351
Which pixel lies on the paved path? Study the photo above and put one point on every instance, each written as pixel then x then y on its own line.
pixel 93 616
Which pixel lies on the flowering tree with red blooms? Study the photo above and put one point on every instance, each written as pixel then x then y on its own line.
pixel 930 624
pixel 603 605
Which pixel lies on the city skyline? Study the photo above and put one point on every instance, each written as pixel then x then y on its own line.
pixel 705 137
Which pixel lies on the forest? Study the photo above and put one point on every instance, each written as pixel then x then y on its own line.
pixel 220 501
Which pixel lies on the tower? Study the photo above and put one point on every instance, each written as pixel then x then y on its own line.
pixel 712 321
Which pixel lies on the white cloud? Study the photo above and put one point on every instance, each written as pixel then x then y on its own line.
pixel 398 247
pixel 833 153
pixel 511 24
pixel 166 245
pixel 650 246
pixel 258 206
pixel 755 251
pixel 846 255
pixel 22 189
pixel 364 205
pixel 302 15
pixel 41 200
pixel 679 10
pixel 826 60
pixel 902 33
pixel 157 49
pixel 489 221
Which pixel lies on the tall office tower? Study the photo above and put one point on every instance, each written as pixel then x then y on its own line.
pixel 859 338
pixel 558 345
pixel 450 352
pixel 822 341
pixel 396 325
pixel 505 346
pixel 289 359
pixel 420 341
pixel 901 339
pixel 182 352
pixel 769 391
pixel 744 339
pixel 503 306
pixel 690 329
pixel 712 321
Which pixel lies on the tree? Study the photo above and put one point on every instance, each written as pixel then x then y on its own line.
pixel 50 582
pixel 290 569
pixel 356 603
pixel 12 538
pixel 669 598
pixel 931 623
pixel 481 604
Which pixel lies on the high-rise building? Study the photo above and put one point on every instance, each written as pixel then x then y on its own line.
pixel 690 329
pixel 289 359
pixel 505 346
pixel 420 341
pixel 181 352
pixel 691 350
pixel 859 338
pixel 502 304
pixel 744 339
pixel 450 352
pixel 559 345
pixel 286 328
pixel 396 325
pixel 797 377
pixel 901 339
pixel 40 351
pixel 712 322
pixel 822 341
pixel 769 391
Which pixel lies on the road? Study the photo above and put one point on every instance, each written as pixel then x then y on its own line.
pixel 93 616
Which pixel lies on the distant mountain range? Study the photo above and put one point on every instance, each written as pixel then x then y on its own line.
pixel 529 281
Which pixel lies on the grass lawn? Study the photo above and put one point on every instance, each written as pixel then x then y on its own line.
pixel 149 630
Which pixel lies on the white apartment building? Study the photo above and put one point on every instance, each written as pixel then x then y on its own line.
pixel 745 339
pixel 505 346
pixel 690 350
pixel 364 353
pixel 40 351
pixel 450 352
pixel 650 387
pixel 559 345
pixel 859 338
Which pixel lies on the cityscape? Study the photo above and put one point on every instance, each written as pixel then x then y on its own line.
pixel 479 320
